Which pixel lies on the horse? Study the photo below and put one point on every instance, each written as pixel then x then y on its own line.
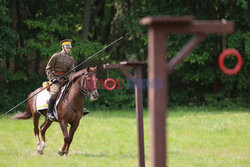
pixel 81 85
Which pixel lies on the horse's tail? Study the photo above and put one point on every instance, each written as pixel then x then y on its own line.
pixel 26 115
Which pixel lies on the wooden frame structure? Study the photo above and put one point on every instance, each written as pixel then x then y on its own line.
pixel 158 68
pixel 138 100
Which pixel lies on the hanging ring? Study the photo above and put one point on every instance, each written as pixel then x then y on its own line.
pixel 106 84
pixel 222 57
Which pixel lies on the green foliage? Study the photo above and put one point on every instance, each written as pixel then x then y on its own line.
pixel 196 81
pixel 8 75
pixel 12 93
pixel 7 35
pixel 122 97
pixel 86 47
pixel 8 38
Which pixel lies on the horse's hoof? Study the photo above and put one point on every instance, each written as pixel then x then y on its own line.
pixel 39 149
pixel 60 152
pixel 40 152
pixel 43 144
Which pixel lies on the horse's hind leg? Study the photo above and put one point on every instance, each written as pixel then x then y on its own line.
pixel 43 129
pixel 36 130
pixel 40 146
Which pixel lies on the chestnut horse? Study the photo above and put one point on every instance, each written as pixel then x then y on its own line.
pixel 82 84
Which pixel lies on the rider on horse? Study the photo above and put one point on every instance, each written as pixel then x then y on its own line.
pixel 57 66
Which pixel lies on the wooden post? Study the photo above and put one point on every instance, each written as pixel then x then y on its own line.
pixel 157 96
pixel 139 117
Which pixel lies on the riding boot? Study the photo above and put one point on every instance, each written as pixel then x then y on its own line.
pixel 85 111
pixel 50 115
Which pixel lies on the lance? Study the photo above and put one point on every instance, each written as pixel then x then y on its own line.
pixel 64 74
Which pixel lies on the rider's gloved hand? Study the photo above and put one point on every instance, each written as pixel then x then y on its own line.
pixel 65 77
pixel 55 80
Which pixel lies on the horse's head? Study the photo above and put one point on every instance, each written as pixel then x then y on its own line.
pixel 86 82
pixel 90 83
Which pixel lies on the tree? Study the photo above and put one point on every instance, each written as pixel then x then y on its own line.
pixel 31 31
pixel 8 38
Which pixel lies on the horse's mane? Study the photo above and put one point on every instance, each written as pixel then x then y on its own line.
pixel 77 75
pixel 81 72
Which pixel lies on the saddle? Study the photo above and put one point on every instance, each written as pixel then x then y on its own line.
pixel 43 97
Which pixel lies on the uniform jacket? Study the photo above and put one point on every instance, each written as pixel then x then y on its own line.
pixel 60 62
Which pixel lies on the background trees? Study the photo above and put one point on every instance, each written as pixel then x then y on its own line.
pixel 31 31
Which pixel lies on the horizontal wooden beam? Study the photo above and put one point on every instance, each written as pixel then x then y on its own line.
pixel 186 25
pixel 110 66
pixel 166 20
pixel 132 63
pixel 124 64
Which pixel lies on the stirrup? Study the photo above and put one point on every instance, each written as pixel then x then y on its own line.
pixel 85 111
pixel 51 117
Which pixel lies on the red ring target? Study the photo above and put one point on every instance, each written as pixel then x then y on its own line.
pixel 222 57
pixel 106 84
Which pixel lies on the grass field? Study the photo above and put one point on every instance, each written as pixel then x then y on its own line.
pixel 196 138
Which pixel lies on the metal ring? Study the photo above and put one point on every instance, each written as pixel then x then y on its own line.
pixel 110 80
pixel 222 57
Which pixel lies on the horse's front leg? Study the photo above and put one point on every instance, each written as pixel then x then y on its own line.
pixel 64 129
pixel 72 131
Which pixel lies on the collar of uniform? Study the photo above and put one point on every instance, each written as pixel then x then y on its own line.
pixel 64 53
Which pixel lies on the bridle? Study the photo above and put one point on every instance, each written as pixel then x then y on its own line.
pixel 82 86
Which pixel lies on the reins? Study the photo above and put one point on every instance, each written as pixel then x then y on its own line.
pixel 84 92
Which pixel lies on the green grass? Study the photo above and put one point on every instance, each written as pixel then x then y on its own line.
pixel 196 138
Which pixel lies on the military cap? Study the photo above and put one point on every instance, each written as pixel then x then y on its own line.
pixel 66 43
